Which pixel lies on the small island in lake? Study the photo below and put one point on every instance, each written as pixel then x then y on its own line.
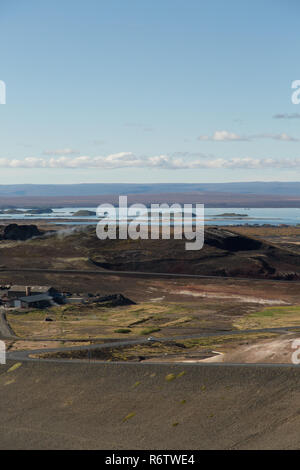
pixel 12 211
pixel 45 210
pixel 84 213
pixel 231 214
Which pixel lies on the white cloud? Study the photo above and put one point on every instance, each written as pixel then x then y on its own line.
pixel 219 136
pixel 130 160
pixel 223 136
pixel 287 116
pixel 283 136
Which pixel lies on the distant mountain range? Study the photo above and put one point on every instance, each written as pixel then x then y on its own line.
pixel 254 194
pixel 95 189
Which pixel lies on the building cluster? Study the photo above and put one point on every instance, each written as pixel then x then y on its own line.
pixel 18 297
pixel 14 296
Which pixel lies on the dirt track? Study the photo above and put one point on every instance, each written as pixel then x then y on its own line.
pixel 5 329
pixel 141 275
pixel 67 406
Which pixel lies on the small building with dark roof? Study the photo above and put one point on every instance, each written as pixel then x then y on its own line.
pixel 36 301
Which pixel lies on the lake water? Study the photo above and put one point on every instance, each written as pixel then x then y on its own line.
pixel 213 216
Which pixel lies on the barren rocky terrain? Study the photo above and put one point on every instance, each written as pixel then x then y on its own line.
pixel 225 253
pixel 87 406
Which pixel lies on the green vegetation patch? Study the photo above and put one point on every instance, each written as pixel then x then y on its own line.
pixel 271 317
pixel 128 417
pixel 278 311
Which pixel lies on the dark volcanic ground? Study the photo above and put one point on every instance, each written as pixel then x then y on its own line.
pixel 224 254
pixel 83 406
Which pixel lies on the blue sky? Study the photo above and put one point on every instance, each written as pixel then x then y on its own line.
pixel 149 91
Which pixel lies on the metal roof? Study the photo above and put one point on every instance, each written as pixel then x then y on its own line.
pixel 35 298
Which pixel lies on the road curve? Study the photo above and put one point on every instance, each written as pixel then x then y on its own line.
pixel 5 329
pixel 24 355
